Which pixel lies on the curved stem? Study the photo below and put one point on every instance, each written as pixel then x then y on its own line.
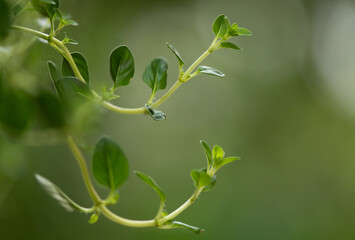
pixel 186 75
pixel 118 109
pixel 183 207
pixel 124 221
pixel 167 94
pixel 30 31
pixel 84 170
pixel 100 205
pixel 58 45
pixel 68 56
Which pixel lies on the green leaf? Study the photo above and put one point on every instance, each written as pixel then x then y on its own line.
pixel 244 32
pixel 50 109
pixel 208 153
pixel 181 62
pixel 225 161
pixel 200 177
pixel 47 8
pixel 210 71
pixel 108 94
pixel 53 71
pixel 5 21
pixel 68 40
pixel 68 89
pixel 16 9
pixel 177 224
pixel 16 109
pixel 80 62
pixel 93 218
pixel 58 194
pixel 229 45
pixel 67 22
pixel 211 185
pixel 217 154
pixel 48 2
pixel 220 26
pixel 155 74
pixel 110 165
pixel 155 114
pixel 121 66
pixel 150 181
pixel 65 19
pixel 233 30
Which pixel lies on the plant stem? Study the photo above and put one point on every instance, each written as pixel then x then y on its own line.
pixel 100 204
pixel 65 52
pixel 186 75
pixel 84 170
pixel 183 207
pixel 167 94
pixel 124 221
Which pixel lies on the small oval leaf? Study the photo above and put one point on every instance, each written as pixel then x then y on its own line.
pixel 229 45
pixel 121 66
pixel 69 88
pixel 155 74
pixel 210 71
pixel 201 179
pixel 68 40
pixel 208 153
pixel 244 32
pixel 233 30
pixel 220 26
pixel 225 161
pixel 110 165
pixel 181 62
pixel 152 183
pixel 80 62
pixel 217 154
pixel 211 185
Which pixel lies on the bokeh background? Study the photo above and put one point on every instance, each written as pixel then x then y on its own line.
pixel 286 107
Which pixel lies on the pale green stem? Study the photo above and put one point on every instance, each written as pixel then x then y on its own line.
pixel 152 95
pixel 160 210
pixel 79 157
pixel 65 52
pixel 84 170
pixel 183 207
pixel 186 75
pixel 124 221
pixel 167 94
pixel 100 204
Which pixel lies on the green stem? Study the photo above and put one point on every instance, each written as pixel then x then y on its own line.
pixel 65 52
pixel 152 95
pixel 167 94
pixel 124 221
pixel 183 207
pixel 186 75
pixel 84 170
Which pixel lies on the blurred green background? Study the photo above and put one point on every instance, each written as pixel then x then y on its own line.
pixel 286 106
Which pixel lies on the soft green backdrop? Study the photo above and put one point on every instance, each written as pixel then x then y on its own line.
pixel 286 106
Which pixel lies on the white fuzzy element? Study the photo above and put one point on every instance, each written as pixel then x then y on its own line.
pixel 55 192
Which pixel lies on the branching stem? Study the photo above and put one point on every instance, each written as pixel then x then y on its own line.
pixel 62 49
pixel 100 204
